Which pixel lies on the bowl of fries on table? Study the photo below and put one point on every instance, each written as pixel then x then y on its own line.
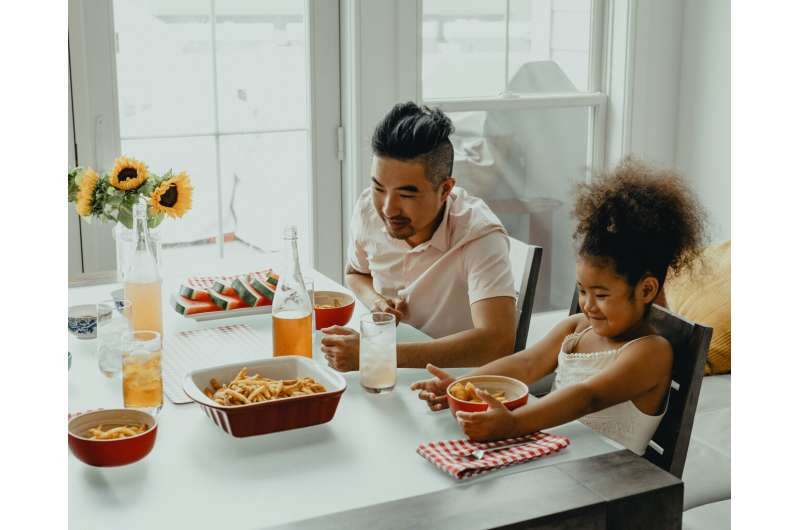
pixel 267 395
pixel 111 437
pixel 461 393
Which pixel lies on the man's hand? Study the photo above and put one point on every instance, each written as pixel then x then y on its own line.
pixel 340 346
pixel 495 424
pixel 395 306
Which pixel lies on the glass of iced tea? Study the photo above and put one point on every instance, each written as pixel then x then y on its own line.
pixel 142 387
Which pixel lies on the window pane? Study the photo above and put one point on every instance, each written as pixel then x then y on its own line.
pixel 261 65
pixel 525 165
pixel 464 47
pixel 165 67
pixel 164 70
pixel 551 41
pixel 266 182
pixel 197 156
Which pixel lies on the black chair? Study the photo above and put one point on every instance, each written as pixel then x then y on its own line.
pixel 525 262
pixel 689 343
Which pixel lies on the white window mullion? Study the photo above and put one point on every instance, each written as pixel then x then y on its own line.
pixel 520 102
pixel 325 117
pixel 217 152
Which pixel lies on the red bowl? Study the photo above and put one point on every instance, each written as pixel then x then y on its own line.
pixel 108 453
pixel 516 392
pixel 333 316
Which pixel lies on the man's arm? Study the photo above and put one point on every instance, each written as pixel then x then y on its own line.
pixel 361 285
pixel 492 337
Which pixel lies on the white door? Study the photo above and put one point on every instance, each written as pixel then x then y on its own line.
pixel 244 96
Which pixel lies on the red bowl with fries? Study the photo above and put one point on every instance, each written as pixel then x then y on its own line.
pixel 112 437
pixel 461 397
pixel 254 418
pixel 332 308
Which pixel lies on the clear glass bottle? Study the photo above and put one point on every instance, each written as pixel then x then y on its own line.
pixel 142 279
pixel 292 308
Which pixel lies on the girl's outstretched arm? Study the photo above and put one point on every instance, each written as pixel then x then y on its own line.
pixel 535 362
pixel 639 369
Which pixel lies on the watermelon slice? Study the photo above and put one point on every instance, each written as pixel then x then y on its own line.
pixel 194 293
pixel 223 287
pixel 227 302
pixel 264 288
pixel 248 294
pixel 185 306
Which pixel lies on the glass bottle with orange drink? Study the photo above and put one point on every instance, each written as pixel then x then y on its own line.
pixel 292 308
pixel 142 279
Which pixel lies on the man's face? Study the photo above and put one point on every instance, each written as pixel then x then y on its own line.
pixel 405 199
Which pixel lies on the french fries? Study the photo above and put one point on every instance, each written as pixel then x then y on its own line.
pixel 466 392
pixel 97 433
pixel 246 389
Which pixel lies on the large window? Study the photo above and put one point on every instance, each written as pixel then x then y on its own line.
pixel 520 80
pixel 225 90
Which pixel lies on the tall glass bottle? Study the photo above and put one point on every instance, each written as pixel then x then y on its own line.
pixel 291 309
pixel 142 280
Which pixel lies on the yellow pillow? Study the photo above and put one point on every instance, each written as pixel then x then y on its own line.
pixel 704 296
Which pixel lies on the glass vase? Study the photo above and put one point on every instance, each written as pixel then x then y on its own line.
pixel 125 240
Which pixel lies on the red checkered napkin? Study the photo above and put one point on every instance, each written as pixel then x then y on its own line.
pixel 452 456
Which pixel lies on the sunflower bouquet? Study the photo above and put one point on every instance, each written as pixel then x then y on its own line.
pixel 111 197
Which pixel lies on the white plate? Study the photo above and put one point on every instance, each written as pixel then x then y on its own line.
pixel 216 315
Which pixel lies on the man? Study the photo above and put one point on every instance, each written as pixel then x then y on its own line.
pixel 427 252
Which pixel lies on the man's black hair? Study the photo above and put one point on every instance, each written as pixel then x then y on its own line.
pixel 418 134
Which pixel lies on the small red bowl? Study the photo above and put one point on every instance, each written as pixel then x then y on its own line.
pixel 516 392
pixel 108 453
pixel 333 316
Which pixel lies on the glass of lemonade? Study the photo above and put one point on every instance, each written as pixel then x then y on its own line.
pixel 141 370
pixel 378 352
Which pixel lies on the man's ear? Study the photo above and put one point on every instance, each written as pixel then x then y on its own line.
pixel 648 289
pixel 446 187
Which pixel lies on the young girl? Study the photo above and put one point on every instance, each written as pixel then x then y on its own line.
pixel 612 371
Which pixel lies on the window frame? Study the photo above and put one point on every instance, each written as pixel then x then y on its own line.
pixel 595 98
pixel 97 134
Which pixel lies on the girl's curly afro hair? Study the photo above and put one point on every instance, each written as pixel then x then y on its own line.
pixel 639 219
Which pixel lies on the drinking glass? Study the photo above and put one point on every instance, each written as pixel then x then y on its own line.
pixel 378 352
pixel 113 322
pixel 141 370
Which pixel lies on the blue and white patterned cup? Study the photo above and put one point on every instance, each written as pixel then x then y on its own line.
pixel 82 321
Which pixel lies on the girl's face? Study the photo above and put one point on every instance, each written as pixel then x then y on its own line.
pixel 608 301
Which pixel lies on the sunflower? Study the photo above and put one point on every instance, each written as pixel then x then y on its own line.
pixel 128 174
pixel 85 196
pixel 173 196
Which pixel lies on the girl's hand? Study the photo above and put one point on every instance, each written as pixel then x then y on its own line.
pixel 434 390
pixel 495 424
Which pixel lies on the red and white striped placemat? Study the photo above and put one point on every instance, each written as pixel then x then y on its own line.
pixel 201 348
pixel 207 282
pixel 452 456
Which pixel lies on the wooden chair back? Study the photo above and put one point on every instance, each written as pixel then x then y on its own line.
pixel 525 262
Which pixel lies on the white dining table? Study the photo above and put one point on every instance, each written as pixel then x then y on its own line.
pixel 199 477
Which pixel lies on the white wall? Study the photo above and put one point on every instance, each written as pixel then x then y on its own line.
pixel 703 149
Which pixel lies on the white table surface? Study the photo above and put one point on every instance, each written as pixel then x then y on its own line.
pixel 199 477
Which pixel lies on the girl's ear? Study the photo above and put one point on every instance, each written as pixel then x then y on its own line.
pixel 648 289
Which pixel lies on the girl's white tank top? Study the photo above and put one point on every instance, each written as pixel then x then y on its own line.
pixel 623 422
